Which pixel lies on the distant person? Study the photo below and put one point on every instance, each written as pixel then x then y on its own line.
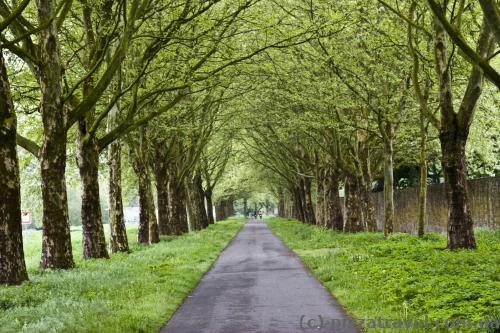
pixel 260 216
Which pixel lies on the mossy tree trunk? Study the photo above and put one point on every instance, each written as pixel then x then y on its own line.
pixel 334 218
pixel 12 264
pixel 56 242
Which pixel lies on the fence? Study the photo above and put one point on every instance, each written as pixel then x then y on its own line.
pixel 484 201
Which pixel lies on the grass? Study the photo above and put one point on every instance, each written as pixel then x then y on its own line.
pixel 135 292
pixel 402 277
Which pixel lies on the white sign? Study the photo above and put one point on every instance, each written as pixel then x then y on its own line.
pixel 25 217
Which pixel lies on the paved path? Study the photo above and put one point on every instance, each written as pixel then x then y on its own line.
pixel 259 285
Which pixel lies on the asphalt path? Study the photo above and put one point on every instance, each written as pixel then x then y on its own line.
pixel 259 285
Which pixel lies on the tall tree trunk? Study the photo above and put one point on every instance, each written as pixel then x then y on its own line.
pixel 12 265
pixel 334 218
pixel 148 226
pixel 94 242
pixel 154 232
pixel 143 232
pixel 353 206
pixel 118 241
pixel 162 194
pixel 193 206
pixel 368 208
pixel 422 191
pixel 281 204
pixel 308 202
pixel 388 188
pixel 298 204
pixel 245 207
pixel 210 205
pixel 460 225
pixel 139 165
pixel 454 130
pixel 178 224
pixel 56 244
pixel 200 200
pixel 320 198
pixel 219 211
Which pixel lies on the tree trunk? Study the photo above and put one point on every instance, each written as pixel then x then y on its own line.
pixel 118 241
pixel 422 191
pixel 139 166
pixel 245 207
pixel 298 205
pixel 308 203
pixel 176 204
pixel 143 232
pixel 353 206
pixel 200 200
pixel 368 208
pixel 94 243
pixel 56 243
pixel 334 218
pixel 12 265
pixel 281 204
pixel 454 130
pixel 193 206
pixel 219 211
pixel 388 188
pixel 320 198
pixel 460 225
pixel 210 205
pixel 162 193
pixel 154 232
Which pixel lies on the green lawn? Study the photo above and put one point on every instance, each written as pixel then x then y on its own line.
pixel 137 292
pixel 402 277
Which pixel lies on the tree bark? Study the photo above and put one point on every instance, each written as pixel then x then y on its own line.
pixel 368 208
pixel 200 200
pixel 491 12
pixel 12 265
pixel 245 207
pixel 193 205
pixel 308 203
pixel 118 240
pixel 298 204
pixel 210 205
pixel 353 206
pixel 219 211
pixel 94 242
pixel 56 243
pixel 454 132
pixel 460 225
pixel 334 218
pixel 176 204
pixel 143 232
pixel 388 187
pixel 422 190
pixel 320 198
pixel 154 232
pixel 281 204
pixel 162 193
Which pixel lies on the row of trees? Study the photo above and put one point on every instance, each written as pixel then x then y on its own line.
pixel 90 78
pixel 394 84
pixel 321 95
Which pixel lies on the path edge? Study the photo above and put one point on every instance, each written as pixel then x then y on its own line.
pixel 203 276
pixel 332 296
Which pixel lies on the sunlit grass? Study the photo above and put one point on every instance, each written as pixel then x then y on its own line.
pixel 135 292
pixel 402 277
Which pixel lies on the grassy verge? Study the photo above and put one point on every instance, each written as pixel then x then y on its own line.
pixel 402 277
pixel 128 293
